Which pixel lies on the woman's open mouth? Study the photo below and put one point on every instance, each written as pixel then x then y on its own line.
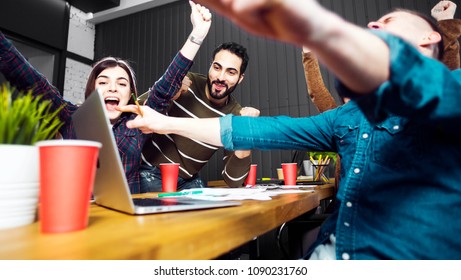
pixel 111 103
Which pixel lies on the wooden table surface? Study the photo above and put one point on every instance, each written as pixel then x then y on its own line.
pixel 199 234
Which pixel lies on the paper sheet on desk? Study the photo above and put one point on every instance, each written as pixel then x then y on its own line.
pixel 283 189
pixel 254 193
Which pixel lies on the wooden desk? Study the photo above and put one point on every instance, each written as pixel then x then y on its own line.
pixel 217 183
pixel 200 234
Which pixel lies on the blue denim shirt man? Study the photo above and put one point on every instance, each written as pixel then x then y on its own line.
pixel 400 193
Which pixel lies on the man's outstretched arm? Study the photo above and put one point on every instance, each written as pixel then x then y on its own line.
pixel 357 57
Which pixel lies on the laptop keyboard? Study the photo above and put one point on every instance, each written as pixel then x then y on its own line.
pixel 157 202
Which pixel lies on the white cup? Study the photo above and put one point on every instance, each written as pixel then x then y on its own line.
pixel 308 170
pixel 280 173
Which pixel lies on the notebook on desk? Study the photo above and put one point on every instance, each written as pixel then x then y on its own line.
pixel 111 188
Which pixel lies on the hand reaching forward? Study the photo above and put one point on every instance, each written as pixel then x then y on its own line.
pixel 151 121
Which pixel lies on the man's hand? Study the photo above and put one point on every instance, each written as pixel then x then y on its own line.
pixel 247 112
pixel 444 10
pixel 306 49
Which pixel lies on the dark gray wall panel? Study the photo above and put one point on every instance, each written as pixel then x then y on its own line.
pixel 45 21
pixel 41 24
pixel 274 81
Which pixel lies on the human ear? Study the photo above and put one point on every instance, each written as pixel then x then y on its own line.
pixel 432 39
pixel 241 78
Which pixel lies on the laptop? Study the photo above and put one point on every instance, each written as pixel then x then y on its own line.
pixel 111 188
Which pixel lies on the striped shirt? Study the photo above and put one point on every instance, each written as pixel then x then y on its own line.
pixel 191 154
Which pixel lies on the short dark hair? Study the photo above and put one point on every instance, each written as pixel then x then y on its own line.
pixel 236 49
pixel 433 23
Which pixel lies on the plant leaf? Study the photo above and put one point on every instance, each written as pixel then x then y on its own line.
pixel 25 118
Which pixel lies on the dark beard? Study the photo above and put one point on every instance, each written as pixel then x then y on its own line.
pixel 227 92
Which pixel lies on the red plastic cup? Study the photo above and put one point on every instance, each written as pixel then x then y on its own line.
pixel 251 178
pixel 170 173
pixel 289 173
pixel 67 172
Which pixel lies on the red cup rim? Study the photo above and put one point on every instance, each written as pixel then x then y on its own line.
pixel 68 142
pixel 171 163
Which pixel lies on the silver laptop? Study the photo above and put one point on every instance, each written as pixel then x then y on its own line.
pixel 111 188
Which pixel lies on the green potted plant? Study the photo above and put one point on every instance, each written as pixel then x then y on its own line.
pixel 322 156
pixel 24 120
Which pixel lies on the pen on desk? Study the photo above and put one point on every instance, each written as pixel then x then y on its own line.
pixel 137 104
pixel 182 193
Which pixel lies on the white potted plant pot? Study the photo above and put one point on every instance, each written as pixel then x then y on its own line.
pixel 24 119
pixel 19 185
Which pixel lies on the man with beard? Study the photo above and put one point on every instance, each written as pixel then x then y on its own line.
pixel 207 96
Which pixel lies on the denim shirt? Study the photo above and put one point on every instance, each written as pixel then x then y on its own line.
pixel 400 184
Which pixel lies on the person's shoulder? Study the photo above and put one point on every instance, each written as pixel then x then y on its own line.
pixel 233 106
pixel 198 82
pixel 196 76
pixel 347 109
pixel 348 114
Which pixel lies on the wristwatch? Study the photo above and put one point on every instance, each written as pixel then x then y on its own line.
pixel 195 40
